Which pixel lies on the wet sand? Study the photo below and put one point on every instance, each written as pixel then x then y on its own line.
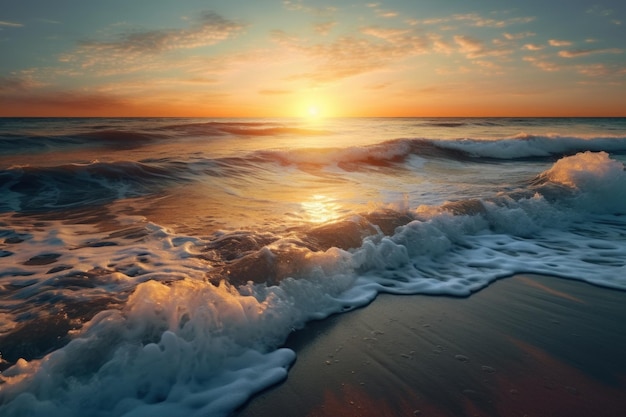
pixel 525 346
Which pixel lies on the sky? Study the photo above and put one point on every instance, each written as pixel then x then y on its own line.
pixel 296 58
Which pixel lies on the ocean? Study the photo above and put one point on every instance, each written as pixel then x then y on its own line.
pixel 156 266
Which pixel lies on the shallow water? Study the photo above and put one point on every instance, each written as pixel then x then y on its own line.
pixel 149 266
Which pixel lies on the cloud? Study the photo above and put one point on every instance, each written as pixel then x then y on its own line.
pixel 388 34
pixel 356 54
pixel 432 21
pixel 489 67
pixel 597 70
pixel 13 84
pixel 468 45
pixel 517 36
pixel 574 53
pixel 440 45
pixel 532 47
pixel 542 64
pixel 4 23
pixel 387 13
pixel 476 20
pixel 134 51
pixel 298 5
pixel 324 28
pixel 600 11
pixel 475 48
pixel 556 42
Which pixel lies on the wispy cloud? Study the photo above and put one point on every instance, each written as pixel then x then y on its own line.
pixel 600 70
pixel 356 54
pixel 324 28
pixel 4 23
pixel 601 11
pixel 476 48
pixel 557 42
pixel 440 45
pixel 517 36
pixel 574 53
pixel 134 51
pixel 298 5
pixel 479 21
pixel 12 84
pixel 542 63
pixel 532 47
pixel 386 13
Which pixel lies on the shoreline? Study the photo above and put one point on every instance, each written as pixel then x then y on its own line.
pixel 526 345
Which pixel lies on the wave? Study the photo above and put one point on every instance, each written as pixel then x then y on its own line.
pixel 38 188
pixel 244 129
pixel 389 153
pixel 526 146
pixel 110 137
pixel 29 189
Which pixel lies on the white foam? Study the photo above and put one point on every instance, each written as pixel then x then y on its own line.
pixel 188 348
pixel 600 182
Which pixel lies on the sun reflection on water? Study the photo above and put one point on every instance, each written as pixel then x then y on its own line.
pixel 321 209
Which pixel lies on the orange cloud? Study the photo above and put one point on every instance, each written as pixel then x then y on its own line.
pixel 542 64
pixel 602 70
pixel 532 47
pixel 476 20
pixel 475 48
pixel 517 36
pixel 353 55
pixel 556 42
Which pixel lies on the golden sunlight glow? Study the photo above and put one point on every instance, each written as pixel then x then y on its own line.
pixel 321 209
pixel 314 111
pixel 315 106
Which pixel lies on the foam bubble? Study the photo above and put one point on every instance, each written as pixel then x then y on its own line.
pixel 189 348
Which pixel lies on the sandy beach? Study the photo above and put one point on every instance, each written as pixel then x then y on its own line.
pixel 525 346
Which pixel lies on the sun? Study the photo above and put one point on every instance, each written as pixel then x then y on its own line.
pixel 313 111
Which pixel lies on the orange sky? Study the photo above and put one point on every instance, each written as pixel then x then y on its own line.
pixel 274 59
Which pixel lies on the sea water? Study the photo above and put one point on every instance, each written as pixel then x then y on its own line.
pixel 154 267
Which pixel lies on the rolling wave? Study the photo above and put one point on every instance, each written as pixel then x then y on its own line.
pixel 57 187
pixel 388 153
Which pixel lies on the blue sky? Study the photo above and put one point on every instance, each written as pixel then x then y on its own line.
pixel 282 58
